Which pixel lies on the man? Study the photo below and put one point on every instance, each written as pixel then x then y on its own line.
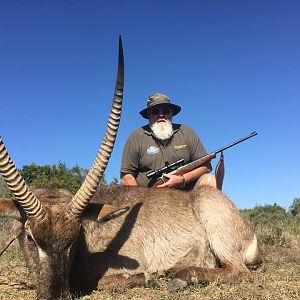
pixel 161 142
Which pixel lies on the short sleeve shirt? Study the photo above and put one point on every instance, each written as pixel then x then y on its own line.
pixel 144 153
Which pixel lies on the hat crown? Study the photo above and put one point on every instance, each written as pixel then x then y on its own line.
pixel 157 98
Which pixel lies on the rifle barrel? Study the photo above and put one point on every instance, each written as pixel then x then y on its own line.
pixel 192 165
pixel 237 142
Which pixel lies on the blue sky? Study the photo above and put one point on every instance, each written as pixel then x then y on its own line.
pixel 233 66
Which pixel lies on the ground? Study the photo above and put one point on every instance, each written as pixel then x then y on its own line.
pixel 281 280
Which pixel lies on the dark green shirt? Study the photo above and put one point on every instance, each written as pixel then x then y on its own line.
pixel 144 153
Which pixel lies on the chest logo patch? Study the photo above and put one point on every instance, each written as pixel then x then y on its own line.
pixel 152 150
pixel 178 147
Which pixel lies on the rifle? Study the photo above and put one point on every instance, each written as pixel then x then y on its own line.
pixel 177 168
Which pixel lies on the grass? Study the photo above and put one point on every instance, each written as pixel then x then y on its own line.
pixel 278 233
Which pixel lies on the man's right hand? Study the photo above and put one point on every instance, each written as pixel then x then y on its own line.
pixel 128 179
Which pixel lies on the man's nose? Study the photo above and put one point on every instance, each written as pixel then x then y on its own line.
pixel 161 112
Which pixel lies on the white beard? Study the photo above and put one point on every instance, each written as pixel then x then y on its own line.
pixel 162 132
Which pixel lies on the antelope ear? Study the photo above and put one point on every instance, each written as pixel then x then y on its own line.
pixel 109 212
pixel 9 209
pixel 17 230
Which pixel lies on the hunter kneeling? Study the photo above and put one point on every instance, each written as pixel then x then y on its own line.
pixel 161 143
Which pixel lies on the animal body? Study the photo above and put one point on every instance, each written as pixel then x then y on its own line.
pixel 103 236
pixel 199 234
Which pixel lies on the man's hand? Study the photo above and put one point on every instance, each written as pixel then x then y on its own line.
pixel 128 179
pixel 174 181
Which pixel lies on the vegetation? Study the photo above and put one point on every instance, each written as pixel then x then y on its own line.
pixel 55 176
pixel 273 224
pixel 295 208
pixel 4 191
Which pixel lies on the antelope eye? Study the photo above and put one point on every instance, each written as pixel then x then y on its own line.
pixel 28 233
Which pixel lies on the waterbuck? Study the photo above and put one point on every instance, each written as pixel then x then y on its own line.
pixel 118 235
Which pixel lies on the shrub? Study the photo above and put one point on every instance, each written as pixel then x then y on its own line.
pixel 273 224
pixel 295 208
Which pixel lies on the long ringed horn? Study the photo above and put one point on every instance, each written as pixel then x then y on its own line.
pixel 29 202
pixel 92 180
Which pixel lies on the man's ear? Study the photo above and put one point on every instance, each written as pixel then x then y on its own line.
pixel 109 212
pixel 9 209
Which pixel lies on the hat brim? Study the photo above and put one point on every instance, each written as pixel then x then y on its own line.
pixel 175 108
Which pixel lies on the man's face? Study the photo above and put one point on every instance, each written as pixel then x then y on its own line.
pixel 160 114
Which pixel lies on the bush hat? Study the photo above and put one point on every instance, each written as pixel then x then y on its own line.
pixel 159 99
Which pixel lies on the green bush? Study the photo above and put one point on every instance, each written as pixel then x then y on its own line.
pixel 55 176
pixel 295 208
pixel 4 190
pixel 51 176
pixel 273 224
pixel 266 215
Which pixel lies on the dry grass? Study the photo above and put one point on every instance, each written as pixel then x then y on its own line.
pixel 280 281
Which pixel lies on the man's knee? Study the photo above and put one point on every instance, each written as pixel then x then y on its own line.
pixel 207 179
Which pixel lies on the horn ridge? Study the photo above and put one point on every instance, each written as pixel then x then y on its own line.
pixel 29 202
pixel 93 178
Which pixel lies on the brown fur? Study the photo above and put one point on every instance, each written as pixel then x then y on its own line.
pixel 199 233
